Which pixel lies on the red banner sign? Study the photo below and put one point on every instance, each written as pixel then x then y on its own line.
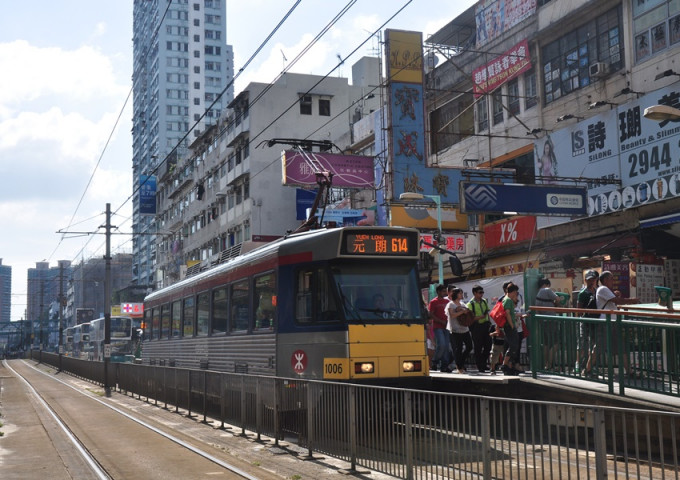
pixel 510 232
pixel 506 67
pixel 452 243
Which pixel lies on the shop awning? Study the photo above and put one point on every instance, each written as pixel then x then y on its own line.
pixel 663 220
pixel 594 246
pixel 512 264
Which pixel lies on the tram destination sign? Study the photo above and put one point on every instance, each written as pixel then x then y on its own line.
pixel 523 199
pixel 380 242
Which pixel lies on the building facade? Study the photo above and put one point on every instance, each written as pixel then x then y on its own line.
pixel 182 76
pixel 556 91
pixel 86 286
pixel 44 286
pixel 227 193
pixel 5 293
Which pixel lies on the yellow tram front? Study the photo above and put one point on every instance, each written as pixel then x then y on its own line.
pixel 358 309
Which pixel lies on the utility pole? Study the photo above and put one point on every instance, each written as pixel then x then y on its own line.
pixel 107 302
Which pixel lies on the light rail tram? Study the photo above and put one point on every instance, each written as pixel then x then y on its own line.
pixel 336 304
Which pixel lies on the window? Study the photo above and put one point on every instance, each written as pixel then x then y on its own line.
pixel 148 324
pixel 530 91
pixel 165 321
pixel 305 105
pixel 265 302
pixel 197 54
pixel 452 122
pixel 497 99
pixel 513 96
pixel 324 107
pixel 482 114
pixel 197 22
pixel 197 85
pixel 176 318
pixel 197 38
pixel 240 308
pixel 567 60
pixel 314 297
pixel 656 26
pixel 189 316
pixel 203 314
pixel 219 319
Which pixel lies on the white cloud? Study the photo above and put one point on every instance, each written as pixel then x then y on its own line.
pixel 80 74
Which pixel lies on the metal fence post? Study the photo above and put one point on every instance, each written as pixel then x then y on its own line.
pixel 408 437
pixel 353 426
pixel 310 420
pixel 623 355
pixel 600 440
pixel 258 408
pixel 486 438
pixel 243 405
pixel 608 355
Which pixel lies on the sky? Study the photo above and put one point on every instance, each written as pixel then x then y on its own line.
pixel 66 106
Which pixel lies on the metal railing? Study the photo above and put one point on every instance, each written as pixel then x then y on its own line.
pixel 413 434
pixel 627 349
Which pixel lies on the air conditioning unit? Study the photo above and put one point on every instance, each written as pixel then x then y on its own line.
pixel 598 70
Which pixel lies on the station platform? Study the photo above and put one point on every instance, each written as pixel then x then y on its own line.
pixel 553 388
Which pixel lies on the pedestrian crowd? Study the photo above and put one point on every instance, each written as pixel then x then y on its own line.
pixel 457 329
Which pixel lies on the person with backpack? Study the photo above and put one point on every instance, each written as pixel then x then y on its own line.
pixel 512 339
pixel 481 328
pixel 546 297
pixel 590 333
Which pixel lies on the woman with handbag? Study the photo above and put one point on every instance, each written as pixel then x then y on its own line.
pixel 461 342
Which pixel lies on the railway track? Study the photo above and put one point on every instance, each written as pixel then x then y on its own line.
pixel 53 429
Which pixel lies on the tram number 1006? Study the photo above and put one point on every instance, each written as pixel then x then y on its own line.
pixel 335 368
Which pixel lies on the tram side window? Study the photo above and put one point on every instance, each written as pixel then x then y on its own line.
pixel 176 318
pixel 303 297
pixel 146 326
pixel 219 308
pixel 189 316
pixel 156 324
pixel 240 309
pixel 314 299
pixel 265 302
pixel 203 314
pixel 165 321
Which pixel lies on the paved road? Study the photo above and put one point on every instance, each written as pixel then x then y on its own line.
pixel 33 445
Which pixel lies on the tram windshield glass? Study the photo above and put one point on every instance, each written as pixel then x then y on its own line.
pixel 370 292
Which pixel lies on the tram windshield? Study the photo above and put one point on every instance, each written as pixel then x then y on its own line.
pixel 371 292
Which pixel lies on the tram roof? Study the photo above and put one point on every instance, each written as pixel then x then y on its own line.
pixel 290 244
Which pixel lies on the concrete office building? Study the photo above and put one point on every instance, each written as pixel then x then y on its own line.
pixel 182 65
pixel 5 293
pixel 227 192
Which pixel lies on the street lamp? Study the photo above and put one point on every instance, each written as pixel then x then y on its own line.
pixel 660 113
pixel 411 196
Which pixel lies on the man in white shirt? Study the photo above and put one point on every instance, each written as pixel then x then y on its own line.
pixel 608 300
pixel 605 296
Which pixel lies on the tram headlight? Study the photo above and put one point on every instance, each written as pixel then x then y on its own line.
pixel 412 366
pixel 364 367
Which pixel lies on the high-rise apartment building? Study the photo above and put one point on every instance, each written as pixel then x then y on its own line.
pixel 182 65
pixel 5 293
pixel 44 286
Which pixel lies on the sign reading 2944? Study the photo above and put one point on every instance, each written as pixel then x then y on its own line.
pixel 655 158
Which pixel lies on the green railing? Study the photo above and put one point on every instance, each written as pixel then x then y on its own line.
pixel 634 348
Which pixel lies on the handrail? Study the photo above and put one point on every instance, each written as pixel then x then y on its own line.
pixel 622 311
pixel 644 346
